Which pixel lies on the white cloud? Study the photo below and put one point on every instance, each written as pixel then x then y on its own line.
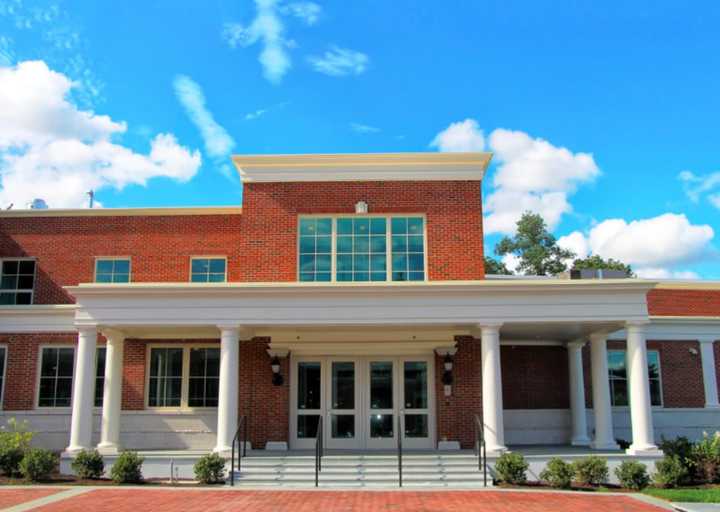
pixel 255 114
pixel 532 174
pixel 364 128
pixel 218 142
pixel 7 56
pixel 268 29
pixel 309 12
pixel 654 246
pixel 339 61
pixel 698 186
pixel 52 150
pixel 460 137
pixel 663 273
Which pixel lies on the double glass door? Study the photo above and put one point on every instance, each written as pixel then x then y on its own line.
pixel 364 402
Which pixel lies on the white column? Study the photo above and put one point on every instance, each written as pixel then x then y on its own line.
pixel 83 390
pixel 604 438
pixel 492 389
pixel 112 393
pixel 639 391
pixel 228 392
pixel 707 355
pixel 577 394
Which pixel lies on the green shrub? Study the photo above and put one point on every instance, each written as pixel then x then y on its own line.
pixel 558 473
pixel 632 475
pixel 37 464
pixel 210 469
pixel 591 470
pixel 88 464
pixel 14 442
pixel 511 468
pixel 705 458
pixel 682 448
pixel 670 472
pixel 127 468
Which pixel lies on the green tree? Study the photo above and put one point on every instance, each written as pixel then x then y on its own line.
pixel 493 266
pixel 596 262
pixel 536 247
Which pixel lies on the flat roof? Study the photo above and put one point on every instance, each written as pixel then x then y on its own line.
pixel 122 212
pixel 362 167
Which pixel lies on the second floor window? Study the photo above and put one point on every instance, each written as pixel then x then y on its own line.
pixel 367 248
pixel 17 281
pixel 207 270
pixel 112 270
pixel 617 367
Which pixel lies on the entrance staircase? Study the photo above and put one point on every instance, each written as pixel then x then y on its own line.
pixel 421 470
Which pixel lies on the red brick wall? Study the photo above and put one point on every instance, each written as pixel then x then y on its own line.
pixel 677 302
pixel 534 377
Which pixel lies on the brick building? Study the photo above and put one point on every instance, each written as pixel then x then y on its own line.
pixel 349 288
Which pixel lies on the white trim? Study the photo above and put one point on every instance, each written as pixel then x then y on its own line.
pixel 123 212
pixel 38 318
pixel 209 257
pixel 38 373
pixel 185 377
pixel 113 259
pixel 362 167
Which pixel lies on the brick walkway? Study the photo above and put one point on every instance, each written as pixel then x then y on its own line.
pixel 133 500
pixel 11 497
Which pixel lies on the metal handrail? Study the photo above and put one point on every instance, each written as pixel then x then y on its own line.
pixel 400 448
pixel 480 446
pixel 319 450
pixel 242 449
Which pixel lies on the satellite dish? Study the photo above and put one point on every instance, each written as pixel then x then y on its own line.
pixel 38 204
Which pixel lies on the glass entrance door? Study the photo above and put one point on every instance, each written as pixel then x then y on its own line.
pixel 381 418
pixel 344 397
pixel 416 404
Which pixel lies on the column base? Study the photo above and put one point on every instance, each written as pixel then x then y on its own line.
pixel 71 451
pixel 448 445
pixel 226 451
pixel 108 449
pixel 712 406
pixel 604 445
pixel 495 451
pixel 276 446
pixel 645 450
pixel 580 441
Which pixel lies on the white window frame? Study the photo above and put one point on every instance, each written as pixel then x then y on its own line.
pixel 388 244
pixel 4 347
pixel 99 258
pixel 24 290
pixel 210 257
pixel 659 379
pixel 185 385
pixel 41 349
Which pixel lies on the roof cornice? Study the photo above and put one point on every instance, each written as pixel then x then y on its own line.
pixel 689 285
pixel 362 167
pixel 122 212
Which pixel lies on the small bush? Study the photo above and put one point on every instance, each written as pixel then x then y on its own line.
pixel 705 458
pixel 88 464
pixel 632 475
pixel 14 442
pixel 591 470
pixel 670 472
pixel 37 464
pixel 682 448
pixel 210 469
pixel 127 468
pixel 558 473
pixel 511 468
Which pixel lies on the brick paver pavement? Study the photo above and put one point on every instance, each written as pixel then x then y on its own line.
pixel 136 500
pixel 10 497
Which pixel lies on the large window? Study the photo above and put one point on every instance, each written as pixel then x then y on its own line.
pixel 17 280
pixel 99 375
pixel 618 378
pixel 183 376
pixel 112 270
pixel 362 248
pixel 207 270
pixel 56 376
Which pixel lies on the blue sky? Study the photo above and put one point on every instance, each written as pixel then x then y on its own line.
pixel 602 116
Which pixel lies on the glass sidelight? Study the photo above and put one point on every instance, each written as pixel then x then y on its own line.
pixel 381 417
pixel 309 398
pixel 415 394
pixel 343 400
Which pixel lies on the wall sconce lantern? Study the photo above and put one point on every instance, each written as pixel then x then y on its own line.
pixel 277 378
pixel 361 207
pixel 447 376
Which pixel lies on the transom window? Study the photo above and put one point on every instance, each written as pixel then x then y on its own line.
pixel 183 376
pixel 366 248
pixel 17 281
pixel 112 270
pixel 207 270
pixel 56 376
pixel 617 367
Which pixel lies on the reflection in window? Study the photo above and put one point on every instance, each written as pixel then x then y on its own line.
pixel 307 425
pixel 112 270
pixel 361 249
pixel 343 385
pixel 315 249
pixel 207 270
pixel 17 279
pixel 381 385
pixel 617 370
pixel 100 354
pixel 165 377
pixel 416 385
pixel 56 376
pixel 204 377
pixel 308 385
pixel 381 425
pixel 407 249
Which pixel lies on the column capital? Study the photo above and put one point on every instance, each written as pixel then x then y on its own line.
pixel 637 324
pixel 113 335
pixel 241 332
pixel 599 337
pixel 577 344
pixel 86 329
pixel 708 339
pixel 492 326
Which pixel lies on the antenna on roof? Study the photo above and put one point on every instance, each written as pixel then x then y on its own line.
pixel 10 206
pixel 91 195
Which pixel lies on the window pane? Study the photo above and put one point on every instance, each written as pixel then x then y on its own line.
pixel 415 226
pixel 378 226
pixel 66 358
pixel 324 226
pixel 655 393
pixel 314 259
pixel 103 278
pixel 616 364
pixel 217 265
pixel 344 244
pixel 381 385
pixel 25 282
pixel 416 385
pixel 343 385
pixel 308 385
pixel 307 245
pixel 122 267
pixel 307 425
pixel 307 226
pixel 619 393
pixel 343 426
pixel 399 226
pixel 199 265
pixel 381 425
pixel 653 364
pixel 344 226
pixel 121 278
pixel 416 425
pixel 104 266
pixel 9 282
pixel 112 270
pixel 323 244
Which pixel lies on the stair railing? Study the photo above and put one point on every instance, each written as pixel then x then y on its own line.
pixel 480 446
pixel 319 450
pixel 242 449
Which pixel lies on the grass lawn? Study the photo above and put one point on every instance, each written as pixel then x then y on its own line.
pixel 710 494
